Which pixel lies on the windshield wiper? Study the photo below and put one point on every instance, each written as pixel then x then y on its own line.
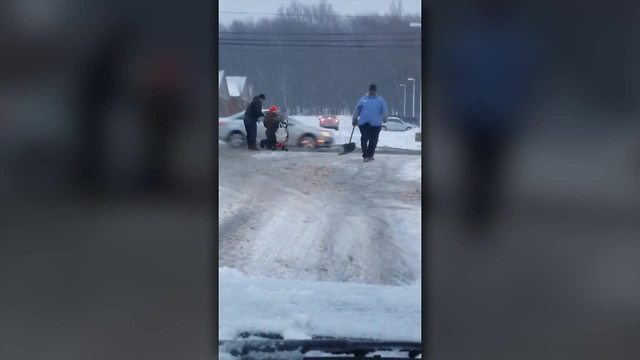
pixel 357 349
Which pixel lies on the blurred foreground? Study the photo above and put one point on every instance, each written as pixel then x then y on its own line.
pixel 105 177
pixel 533 182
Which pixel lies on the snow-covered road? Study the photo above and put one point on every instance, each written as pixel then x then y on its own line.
pixel 387 139
pixel 319 216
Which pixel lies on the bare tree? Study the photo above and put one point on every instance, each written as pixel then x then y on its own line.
pixel 310 57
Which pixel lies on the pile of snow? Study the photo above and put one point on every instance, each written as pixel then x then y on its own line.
pixel 298 309
pixel 392 139
pixel 399 139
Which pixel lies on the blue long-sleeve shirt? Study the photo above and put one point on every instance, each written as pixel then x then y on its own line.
pixel 489 71
pixel 374 109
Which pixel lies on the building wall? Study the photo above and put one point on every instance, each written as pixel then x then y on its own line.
pixel 223 106
pixel 231 105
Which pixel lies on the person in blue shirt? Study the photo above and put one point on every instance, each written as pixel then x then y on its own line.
pixel 490 69
pixel 371 112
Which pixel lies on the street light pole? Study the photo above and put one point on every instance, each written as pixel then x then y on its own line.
pixel 413 102
pixel 420 109
pixel 404 100
pixel 418 138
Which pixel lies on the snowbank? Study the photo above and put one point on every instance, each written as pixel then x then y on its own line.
pixel 300 309
pixel 392 139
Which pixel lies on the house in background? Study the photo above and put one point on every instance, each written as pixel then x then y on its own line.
pixel 234 93
pixel 223 94
pixel 239 93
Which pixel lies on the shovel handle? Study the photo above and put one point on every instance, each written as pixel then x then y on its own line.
pixel 354 127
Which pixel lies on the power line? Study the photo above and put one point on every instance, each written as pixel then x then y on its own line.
pixel 272 14
pixel 323 40
pixel 317 33
pixel 317 0
pixel 319 45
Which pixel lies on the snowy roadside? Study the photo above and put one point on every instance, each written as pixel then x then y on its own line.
pixel 297 309
pixel 391 139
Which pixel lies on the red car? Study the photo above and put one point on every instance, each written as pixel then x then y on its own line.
pixel 329 122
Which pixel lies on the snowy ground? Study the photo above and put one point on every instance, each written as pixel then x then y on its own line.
pixel 299 310
pixel 392 139
pixel 319 216
pixel 314 220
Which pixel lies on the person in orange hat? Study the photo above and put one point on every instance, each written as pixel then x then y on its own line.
pixel 271 122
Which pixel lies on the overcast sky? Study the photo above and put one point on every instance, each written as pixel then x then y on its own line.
pixel 344 7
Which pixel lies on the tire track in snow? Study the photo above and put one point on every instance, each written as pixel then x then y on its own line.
pixel 326 219
pixel 365 175
pixel 373 256
pixel 276 185
pixel 234 239
pixel 231 225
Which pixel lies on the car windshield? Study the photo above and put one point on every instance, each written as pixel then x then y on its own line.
pixel 319 221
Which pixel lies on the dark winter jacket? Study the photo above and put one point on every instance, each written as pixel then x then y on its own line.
pixel 271 119
pixel 254 110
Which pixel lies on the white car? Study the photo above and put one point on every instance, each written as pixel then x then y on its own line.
pixel 397 124
pixel 231 129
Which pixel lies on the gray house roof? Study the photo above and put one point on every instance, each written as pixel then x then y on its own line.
pixel 239 87
pixel 223 88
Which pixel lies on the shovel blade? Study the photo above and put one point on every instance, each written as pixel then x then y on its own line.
pixel 347 148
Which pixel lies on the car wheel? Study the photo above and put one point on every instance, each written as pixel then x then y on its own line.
pixel 409 128
pixel 308 142
pixel 384 128
pixel 236 139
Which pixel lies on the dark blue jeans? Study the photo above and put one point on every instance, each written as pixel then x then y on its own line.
pixel 368 139
pixel 251 126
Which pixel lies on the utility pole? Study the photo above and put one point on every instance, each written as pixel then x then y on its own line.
pixel 413 102
pixel 404 100
pixel 419 133
pixel 420 109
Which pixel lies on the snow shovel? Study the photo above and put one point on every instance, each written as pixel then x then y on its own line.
pixel 347 148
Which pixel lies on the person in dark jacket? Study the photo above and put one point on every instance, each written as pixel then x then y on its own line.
pixel 251 116
pixel 101 83
pixel 164 106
